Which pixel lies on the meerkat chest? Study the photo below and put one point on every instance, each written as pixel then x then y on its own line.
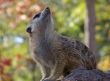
pixel 41 51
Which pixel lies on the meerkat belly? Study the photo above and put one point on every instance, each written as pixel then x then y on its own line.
pixel 43 56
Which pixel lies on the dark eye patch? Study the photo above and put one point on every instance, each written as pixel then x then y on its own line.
pixel 37 15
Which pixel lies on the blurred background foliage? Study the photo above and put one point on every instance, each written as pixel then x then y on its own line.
pixel 16 63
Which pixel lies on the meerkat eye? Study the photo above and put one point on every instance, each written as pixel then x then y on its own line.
pixel 37 15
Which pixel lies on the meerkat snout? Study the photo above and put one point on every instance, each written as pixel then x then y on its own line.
pixel 45 12
pixel 47 9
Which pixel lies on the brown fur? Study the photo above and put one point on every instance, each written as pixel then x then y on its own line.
pixel 56 55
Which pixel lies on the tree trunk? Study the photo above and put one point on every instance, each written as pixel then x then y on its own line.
pixel 90 25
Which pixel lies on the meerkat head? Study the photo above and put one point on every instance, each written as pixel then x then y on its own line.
pixel 40 23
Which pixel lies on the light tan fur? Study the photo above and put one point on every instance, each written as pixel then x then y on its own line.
pixel 56 55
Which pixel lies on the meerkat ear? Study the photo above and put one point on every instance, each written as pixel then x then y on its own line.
pixel 29 30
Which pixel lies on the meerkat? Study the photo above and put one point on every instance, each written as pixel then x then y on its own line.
pixel 56 55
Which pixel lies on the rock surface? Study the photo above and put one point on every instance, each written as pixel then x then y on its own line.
pixel 87 75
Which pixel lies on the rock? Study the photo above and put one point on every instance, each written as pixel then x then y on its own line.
pixel 87 75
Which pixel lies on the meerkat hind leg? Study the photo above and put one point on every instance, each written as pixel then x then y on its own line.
pixel 56 72
pixel 45 72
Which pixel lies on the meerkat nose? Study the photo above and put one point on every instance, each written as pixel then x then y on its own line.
pixel 28 29
pixel 47 9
